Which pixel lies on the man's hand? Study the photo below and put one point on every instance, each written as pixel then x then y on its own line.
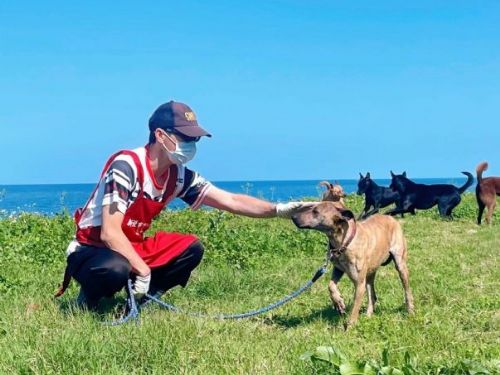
pixel 141 284
pixel 287 210
pixel 113 237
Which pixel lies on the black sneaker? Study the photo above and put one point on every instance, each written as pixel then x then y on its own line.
pixel 145 300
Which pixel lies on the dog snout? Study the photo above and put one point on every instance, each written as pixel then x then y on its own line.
pixel 297 220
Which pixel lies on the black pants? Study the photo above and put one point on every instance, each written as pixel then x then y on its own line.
pixel 102 272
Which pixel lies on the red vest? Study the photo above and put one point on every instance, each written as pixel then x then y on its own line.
pixel 157 250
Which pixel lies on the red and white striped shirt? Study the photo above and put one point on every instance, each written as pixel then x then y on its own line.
pixel 120 185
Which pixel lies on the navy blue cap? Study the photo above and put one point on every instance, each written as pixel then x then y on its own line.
pixel 179 117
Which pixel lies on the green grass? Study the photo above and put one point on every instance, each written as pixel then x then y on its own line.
pixel 454 274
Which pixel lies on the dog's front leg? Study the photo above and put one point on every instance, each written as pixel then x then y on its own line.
pixel 401 208
pixel 365 210
pixel 359 292
pixel 396 211
pixel 371 212
pixel 372 296
pixel 337 301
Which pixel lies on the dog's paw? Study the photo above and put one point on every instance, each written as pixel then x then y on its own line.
pixel 339 306
pixel 348 325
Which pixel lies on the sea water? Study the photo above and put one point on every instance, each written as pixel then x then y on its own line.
pixel 53 199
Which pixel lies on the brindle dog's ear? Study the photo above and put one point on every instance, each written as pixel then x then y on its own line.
pixel 360 175
pixel 367 174
pixel 347 214
pixel 404 174
pixel 392 174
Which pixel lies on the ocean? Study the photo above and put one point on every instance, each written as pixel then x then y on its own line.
pixel 53 199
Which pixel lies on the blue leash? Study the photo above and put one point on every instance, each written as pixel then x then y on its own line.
pixel 133 310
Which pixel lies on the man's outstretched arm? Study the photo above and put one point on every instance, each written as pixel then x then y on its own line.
pixel 242 204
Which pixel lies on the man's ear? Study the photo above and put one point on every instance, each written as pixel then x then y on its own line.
pixel 158 134
pixel 404 174
pixel 347 214
pixel 367 174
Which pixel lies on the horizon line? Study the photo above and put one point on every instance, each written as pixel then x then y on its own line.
pixel 246 181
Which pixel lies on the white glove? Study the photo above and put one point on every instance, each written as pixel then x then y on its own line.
pixel 141 284
pixel 287 210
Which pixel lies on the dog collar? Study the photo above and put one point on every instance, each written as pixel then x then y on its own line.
pixel 335 252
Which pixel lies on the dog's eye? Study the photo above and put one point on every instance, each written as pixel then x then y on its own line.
pixel 315 211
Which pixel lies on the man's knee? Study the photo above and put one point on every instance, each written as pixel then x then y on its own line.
pixel 193 255
pixel 195 250
pixel 115 267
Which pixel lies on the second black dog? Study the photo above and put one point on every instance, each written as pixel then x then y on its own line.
pixel 420 196
pixel 375 196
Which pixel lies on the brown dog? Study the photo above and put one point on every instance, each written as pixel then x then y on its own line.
pixel 486 191
pixel 358 249
pixel 333 192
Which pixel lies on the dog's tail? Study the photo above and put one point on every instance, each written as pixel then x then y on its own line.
pixel 326 184
pixel 481 167
pixel 470 181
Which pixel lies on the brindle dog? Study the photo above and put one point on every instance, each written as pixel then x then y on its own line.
pixel 358 249
pixel 333 192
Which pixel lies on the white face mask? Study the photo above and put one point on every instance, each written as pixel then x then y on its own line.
pixel 184 152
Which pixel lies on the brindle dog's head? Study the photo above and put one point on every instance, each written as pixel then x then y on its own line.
pixel 325 217
pixel 333 193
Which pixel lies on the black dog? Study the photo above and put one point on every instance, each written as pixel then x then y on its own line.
pixel 419 196
pixel 375 196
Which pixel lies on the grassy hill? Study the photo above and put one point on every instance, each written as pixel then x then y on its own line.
pixel 454 274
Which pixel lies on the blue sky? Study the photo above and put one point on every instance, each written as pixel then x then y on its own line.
pixel 289 89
